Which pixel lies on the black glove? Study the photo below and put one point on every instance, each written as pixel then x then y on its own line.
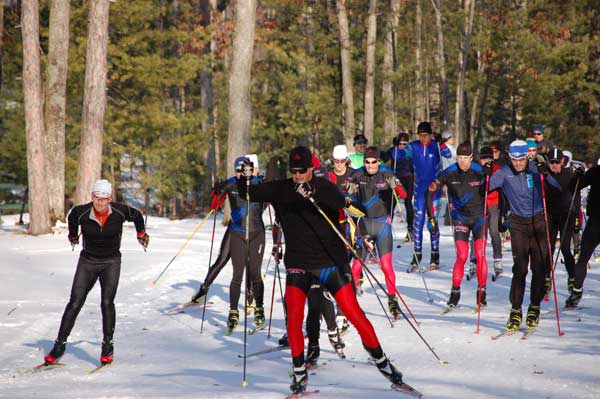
pixel 542 167
pixel 305 189
pixel 396 141
pixel 247 170
pixel 487 168
pixel 74 240
pixel 277 252
pixel 578 172
pixel 218 187
pixel 144 240
pixel 437 137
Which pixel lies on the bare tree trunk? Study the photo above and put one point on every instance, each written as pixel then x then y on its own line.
pixel 207 8
pixel 39 212
pixel 369 118
pixel 56 92
pixel 441 60
pixel 388 93
pixel 94 101
pixel 346 61
pixel 419 93
pixel 469 9
pixel 473 123
pixel 240 110
pixel 1 44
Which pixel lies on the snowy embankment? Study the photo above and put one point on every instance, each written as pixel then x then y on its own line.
pixel 158 355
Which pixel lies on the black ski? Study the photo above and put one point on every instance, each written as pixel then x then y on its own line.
pixel 182 307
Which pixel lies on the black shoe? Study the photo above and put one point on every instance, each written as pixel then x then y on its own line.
pixel 233 319
pixel 416 260
pixel 259 316
pixel 299 380
pixel 434 264
pixel 514 320
pixel 574 298
pixel 454 297
pixel 106 356
pixel 335 340
pixel 283 341
pixel 312 354
pixel 199 297
pixel 570 284
pixel 393 305
pixel 388 370
pixel 533 316
pixel 57 351
pixel 483 296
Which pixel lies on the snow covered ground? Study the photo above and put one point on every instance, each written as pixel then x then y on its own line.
pixel 158 355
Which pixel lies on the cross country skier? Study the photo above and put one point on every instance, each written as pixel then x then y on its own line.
pixel 426 154
pixel 402 165
pixel 559 208
pixel 314 253
pixel 591 233
pixel 465 183
pixel 373 189
pixel 521 184
pixel 101 224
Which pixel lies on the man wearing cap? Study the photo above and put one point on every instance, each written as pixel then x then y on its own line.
pixel 401 163
pixel 233 246
pixel 521 184
pixel 374 191
pixel 466 189
pixel 426 155
pixel 101 223
pixel 314 253
pixel 360 145
pixel 543 145
pixel 559 208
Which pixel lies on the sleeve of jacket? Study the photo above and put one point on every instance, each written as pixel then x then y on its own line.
pixel 328 195
pixel 132 215
pixel 73 220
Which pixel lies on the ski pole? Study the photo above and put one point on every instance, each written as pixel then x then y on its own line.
pixel 312 200
pixel 564 230
pixel 380 303
pixel 480 266
pixel 560 333
pixel 247 269
pixel 276 256
pixel 269 261
pixel 379 261
pixel 184 245
pixel 212 241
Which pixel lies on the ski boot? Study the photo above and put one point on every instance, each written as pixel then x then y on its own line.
pixel 454 297
pixel 106 356
pixel 199 297
pixel 312 355
pixel 336 341
pixel 573 299
pixel 434 264
pixel 514 320
pixel 472 266
pixel 483 297
pixel 232 320
pixel 57 351
pixel 497 269
pixel 283 341
pixel 299 380
pixel 570 285
pixel 343 325
pixel 533 317
pixel 388 370
pixel 259 317
pixel 416 260
pixel 394 306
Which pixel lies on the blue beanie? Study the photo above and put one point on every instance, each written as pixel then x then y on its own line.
pixel 538 128
pixel 531 144
pixel 518 149
pixel 237 165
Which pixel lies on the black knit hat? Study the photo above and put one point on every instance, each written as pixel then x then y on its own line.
pixel 485 152
pixel 360 139
pixel 424 127
pixel 300 157
pixel 464 149
pixel 372 152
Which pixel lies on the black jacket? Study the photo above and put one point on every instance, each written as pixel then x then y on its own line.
pixel 559 201
pixel 310 242
pixel 592 179
pixel 102 242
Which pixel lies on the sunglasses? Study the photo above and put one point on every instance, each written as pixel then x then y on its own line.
pixel 371 162
pixel 484 158
pixel 555 162
pixel 403 143
pixel 339 161
pixel 100 197
pixel 538 134
pixel 298 171
pixel 360 142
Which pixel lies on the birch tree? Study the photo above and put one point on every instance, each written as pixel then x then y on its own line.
pixel 346 61
pixel 419 92
pixel 389 67
pixel 441 60
pixel 460 114
pixel 369 118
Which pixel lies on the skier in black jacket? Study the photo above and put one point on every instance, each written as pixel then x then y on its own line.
pixel 314 253
pixel 101 224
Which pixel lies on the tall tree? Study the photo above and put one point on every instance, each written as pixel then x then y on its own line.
pixel 34 121
pixel 56 90
pixel 441 60
pixel 460 114
pixel 369 121
pixel 389 67
pixel 94 101
pixel 1 42
pixel 346 61
pixel 419 90
pixel 240 109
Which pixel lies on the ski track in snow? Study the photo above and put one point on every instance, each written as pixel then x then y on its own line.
pixel 158 355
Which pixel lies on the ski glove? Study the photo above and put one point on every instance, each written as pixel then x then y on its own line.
pixel 247 169
pixel 542 167
pixel 352 188
pixel 487 168
pixel 143 239
pixel 391 181
pixel 74 240
pixel 305 189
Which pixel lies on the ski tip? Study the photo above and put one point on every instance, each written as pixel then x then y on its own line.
pixel 560 334
pixel 244 384
pixel 443 362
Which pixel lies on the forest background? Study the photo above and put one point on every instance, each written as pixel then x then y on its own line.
pixel 179 88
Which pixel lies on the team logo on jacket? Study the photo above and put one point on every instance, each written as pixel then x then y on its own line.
pixel 474 183
pixel 380 184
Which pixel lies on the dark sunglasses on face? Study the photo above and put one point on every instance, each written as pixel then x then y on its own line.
pixel 402 143
pixel 371 162
pixel 298 170
pixel 554 162
pixel 339 161
pixel 538 133
pixel 359 142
